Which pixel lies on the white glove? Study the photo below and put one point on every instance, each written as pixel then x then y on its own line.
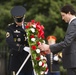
pixel 27 49
pixel 56 58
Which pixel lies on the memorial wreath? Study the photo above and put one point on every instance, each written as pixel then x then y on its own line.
pixel 35 35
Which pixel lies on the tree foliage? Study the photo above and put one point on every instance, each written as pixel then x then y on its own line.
pixel 45 11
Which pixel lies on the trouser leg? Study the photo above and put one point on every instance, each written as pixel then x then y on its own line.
pixel 71 72
pixel 74 70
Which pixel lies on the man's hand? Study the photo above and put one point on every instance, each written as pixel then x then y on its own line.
pixel 44 47
pixel 27 49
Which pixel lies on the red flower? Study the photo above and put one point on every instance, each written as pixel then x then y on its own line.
pixel 27 26
pixel 42 63
pixel 42 27
pixel 38 43
pixel 40 31
pixel 32 36
pixel 46 69
pixel 38 23
pixel 41 34
pixel 32 21
pixel 33 47
pixel 43 53
pixel 38 27
pixel 38 58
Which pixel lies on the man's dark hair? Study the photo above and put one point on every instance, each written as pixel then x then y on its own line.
pixel 68 8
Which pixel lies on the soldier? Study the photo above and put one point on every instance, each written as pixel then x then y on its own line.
pixel 17 41
pixel 53 59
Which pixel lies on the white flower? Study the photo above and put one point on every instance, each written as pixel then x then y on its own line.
pixel 43 65
pixel 33 39
pixel 43 41
pixel 34 25
pixel 33 30
pixel 42 72
pixel 44 58
pixel 40 63
pixel 27 33
pixel 46 72
pixel 41 57
pixel 38 50
pixel 46 65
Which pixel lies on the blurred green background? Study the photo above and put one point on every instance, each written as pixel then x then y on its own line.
pixel 47 12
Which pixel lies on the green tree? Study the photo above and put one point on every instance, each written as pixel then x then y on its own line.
pixel 45 11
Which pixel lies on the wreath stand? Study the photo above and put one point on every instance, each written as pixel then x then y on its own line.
pixel 24 64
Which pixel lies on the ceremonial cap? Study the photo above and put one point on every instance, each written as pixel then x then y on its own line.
pixel 18 11
pixel 51 38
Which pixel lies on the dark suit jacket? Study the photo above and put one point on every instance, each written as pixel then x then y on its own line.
pixel 68 46
pixel 16 40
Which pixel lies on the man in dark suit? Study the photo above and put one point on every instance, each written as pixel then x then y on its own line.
pixel 16 39
pixel 68 45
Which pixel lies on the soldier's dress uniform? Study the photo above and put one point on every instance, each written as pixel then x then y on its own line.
pixel 53 59
pixel 16 39
pixel 53 65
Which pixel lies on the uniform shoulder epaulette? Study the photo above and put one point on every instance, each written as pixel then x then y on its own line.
pixel 10 24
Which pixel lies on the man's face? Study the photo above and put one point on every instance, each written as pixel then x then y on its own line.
pixel 65 17
pixel 51 42
pixel 18 20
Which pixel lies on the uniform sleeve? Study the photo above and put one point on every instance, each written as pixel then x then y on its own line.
pixel 10 41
